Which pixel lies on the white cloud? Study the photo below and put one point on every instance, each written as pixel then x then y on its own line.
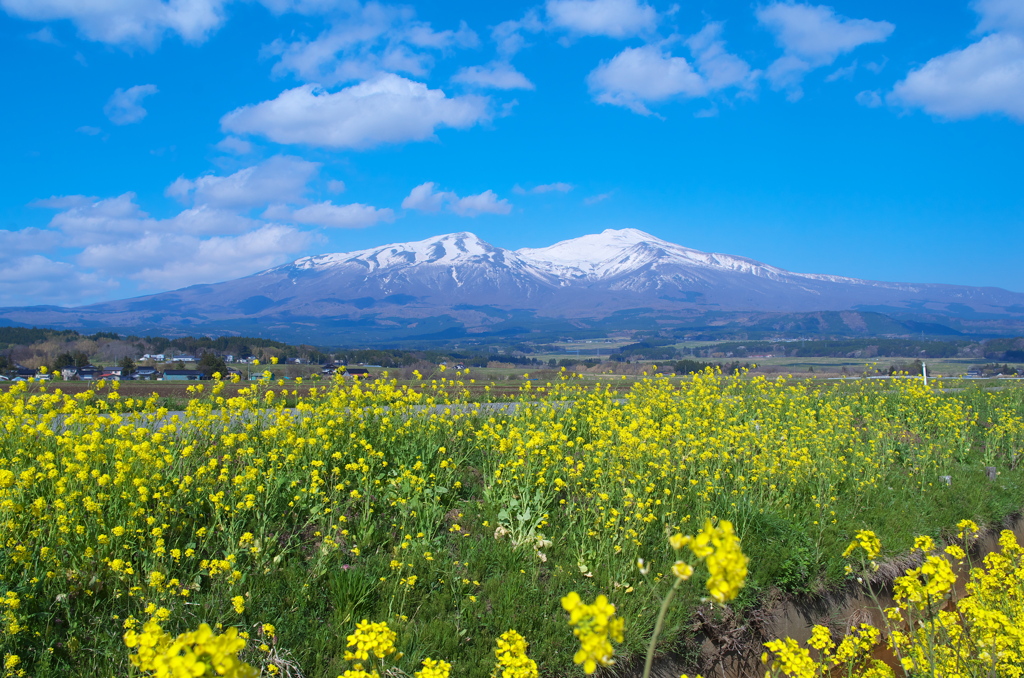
pixel 985 77
pixel 638 75
pixel 877 66
pixel 426 198
pixel 845 73
pixel 125 105
pixel 87 220
pixel 813 36
pixel 89 130
pixel 719 68
pixel 495 75
pixel 509 34
pixel 558 186
pixel 163 261
pixel 36 279
pixel 1000 15
pixel 388 109
pixel 63 202
pixel 116 238
pixel 611 18
pixel 27 240
pixel 127 22
pixel 366 40
pixel 336 186
pixel 204 220
pixel 234 146
pixel 787 72
pixel 306 7
pixel 600 197
pixel 279 179
pixel 44 34
pixel 816 33
pixel 422 35
pixel 481 203
pixel 327 214
pixel 869 98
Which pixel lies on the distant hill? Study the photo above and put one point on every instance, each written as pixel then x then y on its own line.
pixel 457 285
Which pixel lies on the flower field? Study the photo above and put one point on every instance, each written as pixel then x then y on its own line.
pixel 456 522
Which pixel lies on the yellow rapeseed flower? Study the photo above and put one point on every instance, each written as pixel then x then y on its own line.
pixel 596 626
pixel 511 658
pixel 370 638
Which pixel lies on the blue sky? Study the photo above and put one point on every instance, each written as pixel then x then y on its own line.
pixel 153 144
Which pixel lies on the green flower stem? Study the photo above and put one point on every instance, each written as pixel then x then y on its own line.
pixel 657 627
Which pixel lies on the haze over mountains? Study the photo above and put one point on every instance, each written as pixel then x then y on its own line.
pixel 459 285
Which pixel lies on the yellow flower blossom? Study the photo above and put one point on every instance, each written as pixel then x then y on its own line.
pixel 511 658
pixel 866 540
pixel 370 638
pixel 195 653
pixel 433 668
pixel 596 626
pixel 726 563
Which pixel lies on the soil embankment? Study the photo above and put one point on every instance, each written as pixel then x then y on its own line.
pixel 731 647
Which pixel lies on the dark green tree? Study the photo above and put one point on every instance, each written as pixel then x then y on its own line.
pixel 127 366
pixel 62 361
pixel 210 363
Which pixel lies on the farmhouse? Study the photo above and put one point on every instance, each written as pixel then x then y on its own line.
pixel 183 375
pixel 146 373
pixel 331 369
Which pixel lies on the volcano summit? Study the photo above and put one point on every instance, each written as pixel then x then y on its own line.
pixel 457 284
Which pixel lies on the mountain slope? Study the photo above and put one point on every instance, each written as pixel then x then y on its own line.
pixel 458 282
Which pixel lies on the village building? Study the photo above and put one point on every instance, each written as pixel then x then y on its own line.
pixel 183 375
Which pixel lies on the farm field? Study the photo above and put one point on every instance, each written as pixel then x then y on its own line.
pixel 487 384
pixel 455 524
pixel 853 367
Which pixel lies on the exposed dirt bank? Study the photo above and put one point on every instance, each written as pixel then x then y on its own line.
pixel 731 645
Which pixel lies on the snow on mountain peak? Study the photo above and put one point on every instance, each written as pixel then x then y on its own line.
pixel 617 251
pixel 597 256
pixel 592 248
pixel 442 250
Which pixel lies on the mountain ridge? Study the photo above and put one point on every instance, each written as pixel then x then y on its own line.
pixel 459 282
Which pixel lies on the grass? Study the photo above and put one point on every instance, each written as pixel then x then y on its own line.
pixel 321 521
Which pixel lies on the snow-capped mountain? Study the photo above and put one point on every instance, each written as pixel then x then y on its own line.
pixel 616 252
pixel 456 266
pixel 458 282
pixel 454 249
